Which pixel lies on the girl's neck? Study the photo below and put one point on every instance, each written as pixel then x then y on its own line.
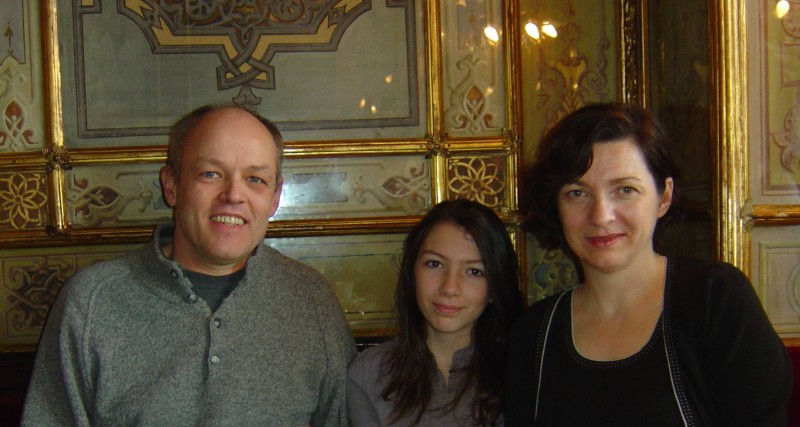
pixel 443 346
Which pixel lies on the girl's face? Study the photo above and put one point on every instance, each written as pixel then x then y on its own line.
pixel 610 213
pixel 451 286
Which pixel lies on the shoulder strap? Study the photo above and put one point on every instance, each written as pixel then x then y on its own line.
pixel 544 333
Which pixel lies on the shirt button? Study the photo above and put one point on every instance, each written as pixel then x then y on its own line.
pixel 217 322
pixel 214 359
pixel 192 298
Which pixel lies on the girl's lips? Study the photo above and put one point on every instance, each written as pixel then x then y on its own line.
pixel 604 241
pixel 446 309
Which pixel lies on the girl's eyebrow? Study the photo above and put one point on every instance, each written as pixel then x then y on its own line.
pixel 433 252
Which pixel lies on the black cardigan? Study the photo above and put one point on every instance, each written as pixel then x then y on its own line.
pixel 729 366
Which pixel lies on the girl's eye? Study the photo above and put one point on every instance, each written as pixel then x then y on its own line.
pixel 476 272
pixel 432 263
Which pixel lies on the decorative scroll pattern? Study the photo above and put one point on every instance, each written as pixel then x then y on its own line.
pixel 471 109
pixel 408 192
pixel 245 34
pixel 17 129
pixel 479 179
pixel 32 287
pixel 115 196
pixel 788 141
pixel 571 70
pixel 473 69
pixel 30 279
pixel 350 188
pixel 23 201
pixel 549 272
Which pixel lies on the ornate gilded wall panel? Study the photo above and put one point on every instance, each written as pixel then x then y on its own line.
pixel 115 195
pixel 363 272
pixel 29 282
pixel 473 77
pixel 776 274
pixel 779 159
pixel 21 119
pixel 565 72
pixel 355 187
pixel 321 70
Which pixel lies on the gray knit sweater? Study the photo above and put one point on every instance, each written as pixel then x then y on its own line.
pixel 129 343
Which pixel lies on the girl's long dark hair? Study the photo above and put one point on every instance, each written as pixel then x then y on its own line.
pixel 411 367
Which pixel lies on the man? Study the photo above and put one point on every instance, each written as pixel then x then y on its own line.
pixel 206 325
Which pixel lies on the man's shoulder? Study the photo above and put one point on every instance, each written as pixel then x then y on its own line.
pixel 109 271
pixel 272 262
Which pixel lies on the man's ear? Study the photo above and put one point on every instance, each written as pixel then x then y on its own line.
pixel 276 200
pixel 169 185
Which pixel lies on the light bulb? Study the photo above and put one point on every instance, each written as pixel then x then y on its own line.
pixel 549 29
pixel 532 30
pixel 491 34
pixel 782 8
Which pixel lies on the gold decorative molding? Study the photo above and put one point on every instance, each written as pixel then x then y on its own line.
pixel 633 50
pixel 769 215
pixel 727 37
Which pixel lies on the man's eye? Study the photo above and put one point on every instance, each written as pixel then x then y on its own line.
pixel 209 174
pixel 256 180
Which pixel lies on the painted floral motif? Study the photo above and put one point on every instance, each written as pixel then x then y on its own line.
pixel 22 201
pixel 477 179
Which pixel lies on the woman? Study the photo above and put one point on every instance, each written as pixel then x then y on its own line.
pixel 644 339
pixel 457 295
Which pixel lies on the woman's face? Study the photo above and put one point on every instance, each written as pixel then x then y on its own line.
pixel 452 290
pixel 610 213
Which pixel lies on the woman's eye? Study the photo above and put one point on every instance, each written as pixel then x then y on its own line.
pixel 628 190
pixel 574 193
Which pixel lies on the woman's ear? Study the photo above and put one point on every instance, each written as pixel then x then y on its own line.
pixel 666 197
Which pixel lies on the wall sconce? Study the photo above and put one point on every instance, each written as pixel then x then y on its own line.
pixel 548 29
pixel 782 8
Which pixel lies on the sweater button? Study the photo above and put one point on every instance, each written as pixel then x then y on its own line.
pixel 174 274
pixel 214 359
pixel 217 322
pixel 192 298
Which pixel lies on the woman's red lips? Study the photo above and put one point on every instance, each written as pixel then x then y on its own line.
pixel 603 241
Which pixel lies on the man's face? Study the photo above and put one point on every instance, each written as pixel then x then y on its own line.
pixel 226 191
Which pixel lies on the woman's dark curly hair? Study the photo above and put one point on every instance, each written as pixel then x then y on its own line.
pixel 565 154
pixel 411 367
